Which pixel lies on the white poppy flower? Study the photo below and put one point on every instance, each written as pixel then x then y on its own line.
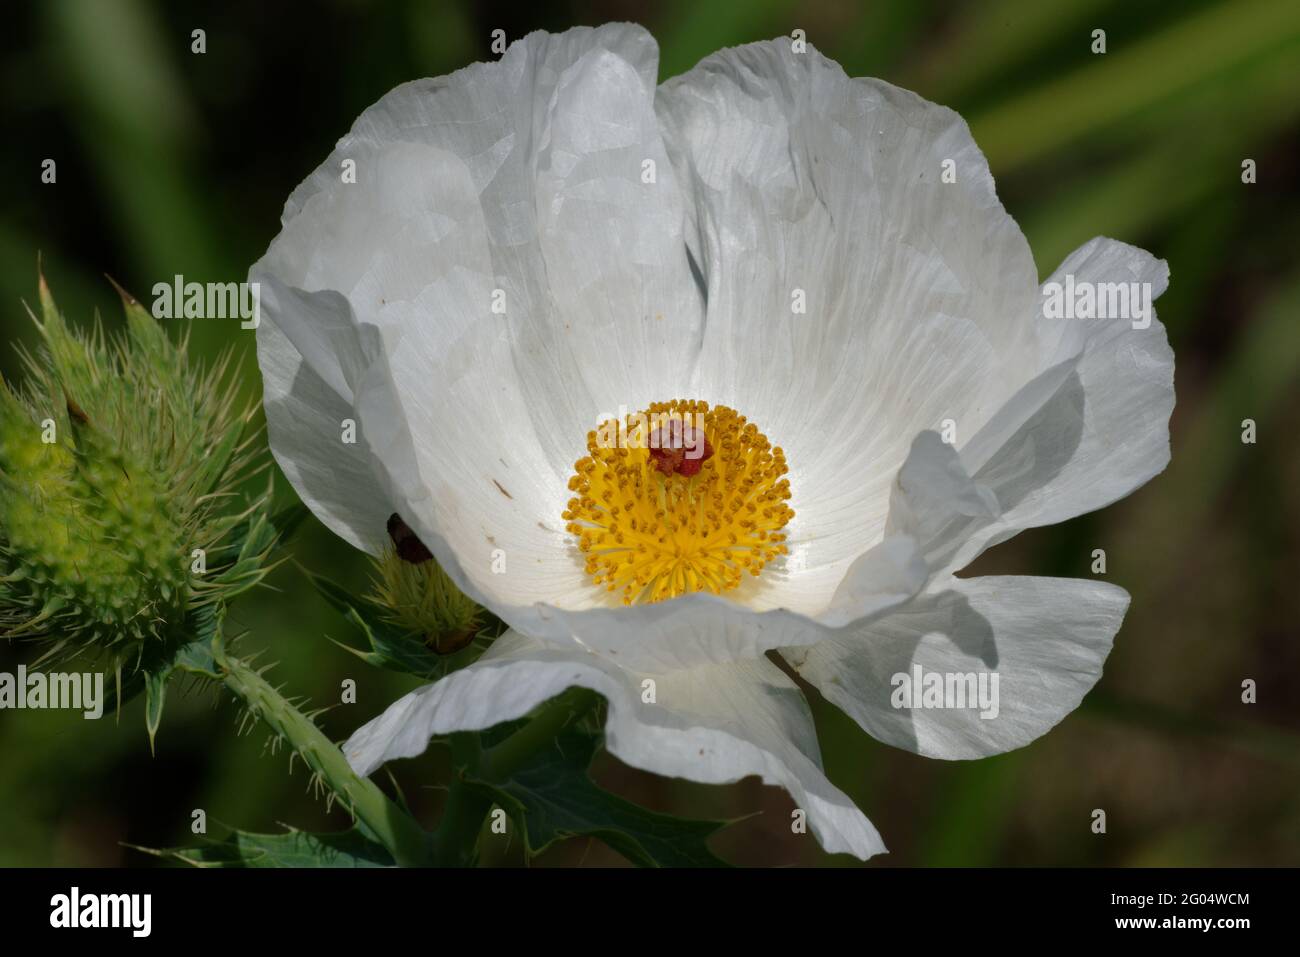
pixel 534 245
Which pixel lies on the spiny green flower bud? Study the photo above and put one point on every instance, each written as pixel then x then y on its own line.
pixel 85 538
pixel 117 463
pixel 417 597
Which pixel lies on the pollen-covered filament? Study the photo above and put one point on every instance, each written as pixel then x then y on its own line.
pixel 680 498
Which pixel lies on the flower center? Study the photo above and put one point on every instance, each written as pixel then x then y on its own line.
pixel 679 498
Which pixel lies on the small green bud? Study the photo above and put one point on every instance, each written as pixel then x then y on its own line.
pixel 416 596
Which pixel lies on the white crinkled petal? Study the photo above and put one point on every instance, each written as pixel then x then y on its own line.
pixel 1045 638
pixel 714 725
pixel 1089 429
pixel 502 237
pixel 305 416
pixel 935 503
pixel 1071 443
pixel 918 291
pixel 702 629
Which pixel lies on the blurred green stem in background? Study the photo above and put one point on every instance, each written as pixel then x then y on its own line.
pixel 1173 173
pixel 1123 82
pixel 141 132
pixel 991 37
pixel 1245 736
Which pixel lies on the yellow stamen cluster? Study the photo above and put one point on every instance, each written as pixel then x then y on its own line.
pixel 656 536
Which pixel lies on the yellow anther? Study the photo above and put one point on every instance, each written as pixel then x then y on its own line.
pixel 686 498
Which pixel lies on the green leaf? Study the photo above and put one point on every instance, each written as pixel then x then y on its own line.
pixel 155 693
pixel 552 796
pixel 241 562
pixel 294 848
pixel 159 662
pixel 287 520
pixel 197 655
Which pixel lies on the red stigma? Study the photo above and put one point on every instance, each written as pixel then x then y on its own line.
pixel 679 449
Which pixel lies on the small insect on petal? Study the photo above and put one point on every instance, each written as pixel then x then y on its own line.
pixel 408 546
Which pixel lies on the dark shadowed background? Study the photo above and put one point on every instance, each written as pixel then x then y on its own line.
pixel 170 162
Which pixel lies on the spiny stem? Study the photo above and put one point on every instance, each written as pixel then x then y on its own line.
pixel 388 823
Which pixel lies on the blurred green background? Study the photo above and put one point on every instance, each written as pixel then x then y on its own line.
pixel 170 162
